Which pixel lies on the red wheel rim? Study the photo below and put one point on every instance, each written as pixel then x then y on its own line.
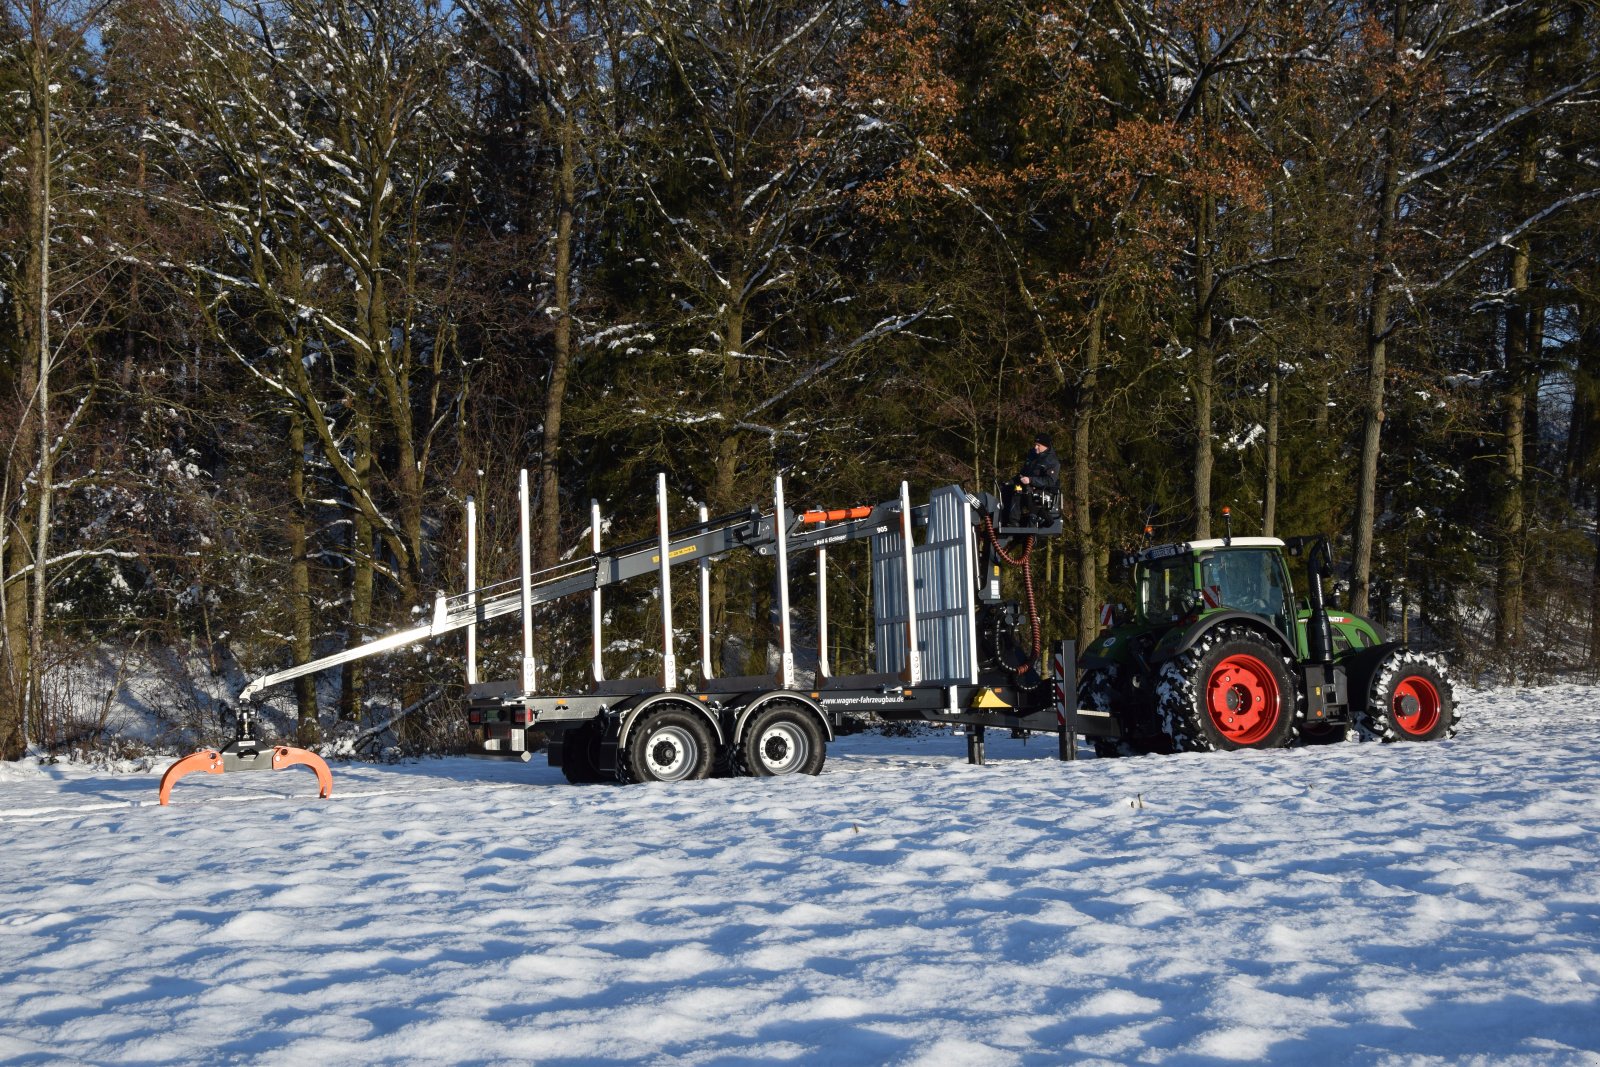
pixel 1416 705
pixel 1242 699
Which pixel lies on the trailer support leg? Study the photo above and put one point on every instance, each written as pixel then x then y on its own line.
pixel 975 745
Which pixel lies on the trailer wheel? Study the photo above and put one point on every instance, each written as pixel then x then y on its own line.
pixel 1410 699
pixel 669 745
pixel 580 757
pixel 782 739
pixel 1231 690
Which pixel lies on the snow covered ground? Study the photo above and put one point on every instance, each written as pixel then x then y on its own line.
pixel 1348 904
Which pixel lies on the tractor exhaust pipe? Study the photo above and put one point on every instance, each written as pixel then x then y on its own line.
pixel 1319 628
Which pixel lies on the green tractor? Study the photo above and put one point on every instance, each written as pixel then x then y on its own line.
pixel 1217 653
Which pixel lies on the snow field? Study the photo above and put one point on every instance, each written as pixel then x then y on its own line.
pixel 1347 904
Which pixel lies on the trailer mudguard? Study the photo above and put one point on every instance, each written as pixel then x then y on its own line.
pixel 631 715
pixel 743 712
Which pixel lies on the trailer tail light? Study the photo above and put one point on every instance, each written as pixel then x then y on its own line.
pixel 475 716
pixel 522 717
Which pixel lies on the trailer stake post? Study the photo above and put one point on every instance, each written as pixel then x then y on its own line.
pixel 705 607
pixel 823 669
pixel 669 662
pixel 528 677
pixel 780 524
pixel 913 674
pixel 472 591
pixel 597 669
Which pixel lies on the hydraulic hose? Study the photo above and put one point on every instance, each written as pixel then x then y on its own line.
pixel 1025 561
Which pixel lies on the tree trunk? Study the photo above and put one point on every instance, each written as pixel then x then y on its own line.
pixel 1088 622
pixel 13 699
pixel 40 147
pixel 1520 354
pixel 556 391
pixel 1269 460
pixel 1512 509
pixel 362 546
pixel 1269 492
pixel 305 688
pixel 723 482
pixel 1205 369
pixel 1379 301
pixel 1586 471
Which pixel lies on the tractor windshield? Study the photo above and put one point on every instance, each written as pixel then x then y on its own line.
pixel 1245 579
pixel 1166 587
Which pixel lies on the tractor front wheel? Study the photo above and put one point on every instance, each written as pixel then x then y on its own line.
pixel 1232 690
pixel 1410 699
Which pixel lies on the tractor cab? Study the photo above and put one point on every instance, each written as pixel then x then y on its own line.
pixel 1179 583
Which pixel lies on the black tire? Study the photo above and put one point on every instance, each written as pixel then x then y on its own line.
pixel 1099 689
pixel 580 755
pixel 1410 699
pixel 671 744
pixel 1324 733
pixel 781 739
pixel 1232 690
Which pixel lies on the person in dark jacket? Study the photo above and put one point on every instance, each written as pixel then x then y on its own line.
pixel 1031 495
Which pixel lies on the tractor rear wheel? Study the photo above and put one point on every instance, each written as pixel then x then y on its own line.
pixel 1232 690
pixel 1410 699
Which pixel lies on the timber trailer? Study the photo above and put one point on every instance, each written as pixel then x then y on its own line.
pixel 949 649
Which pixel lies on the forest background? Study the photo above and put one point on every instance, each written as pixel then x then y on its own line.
pixel 283 283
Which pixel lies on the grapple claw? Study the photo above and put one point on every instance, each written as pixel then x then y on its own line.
pixel 208 760
pixel 245 753
pixel 284 756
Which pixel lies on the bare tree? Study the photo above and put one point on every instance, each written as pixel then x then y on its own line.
pixel 43 137
pixel 313 139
